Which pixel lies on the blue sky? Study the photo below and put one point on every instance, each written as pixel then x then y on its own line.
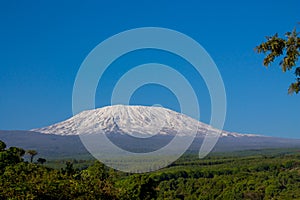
pixel 43 43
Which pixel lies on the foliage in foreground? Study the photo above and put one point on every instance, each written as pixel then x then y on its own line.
pixel 251 177
pixel 288 48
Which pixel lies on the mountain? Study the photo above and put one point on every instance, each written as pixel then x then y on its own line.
pixel 134 128
pixel 137 121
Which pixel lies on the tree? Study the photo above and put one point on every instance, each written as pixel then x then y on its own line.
pixel 41 160
pixel 2 146
pixel 10 156
pixel 69 168
pixel 32 153
pixel 288 49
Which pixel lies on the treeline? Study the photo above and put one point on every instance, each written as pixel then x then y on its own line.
pixel 26 180
pixel 253 177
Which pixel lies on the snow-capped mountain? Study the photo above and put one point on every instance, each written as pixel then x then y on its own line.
pixel 119 122
pixel 138 121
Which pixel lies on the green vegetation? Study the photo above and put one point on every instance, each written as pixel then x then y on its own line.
pixel 271 174
pixel 287 47
pixel 32 153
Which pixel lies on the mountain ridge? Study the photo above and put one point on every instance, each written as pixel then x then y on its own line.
pixel 122 127
pixel 137 121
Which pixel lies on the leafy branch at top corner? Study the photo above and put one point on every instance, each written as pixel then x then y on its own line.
pixel 287 47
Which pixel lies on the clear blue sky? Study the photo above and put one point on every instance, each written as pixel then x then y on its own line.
pixel 43 43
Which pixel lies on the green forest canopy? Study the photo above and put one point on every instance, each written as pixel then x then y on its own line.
pixel 263 176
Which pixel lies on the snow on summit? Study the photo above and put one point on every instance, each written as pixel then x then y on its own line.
pixel 138 121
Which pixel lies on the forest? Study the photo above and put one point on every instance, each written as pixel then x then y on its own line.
pixel 259 174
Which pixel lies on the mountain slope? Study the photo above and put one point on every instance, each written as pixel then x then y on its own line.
pixel 137 129
pixel 138 121
pixel 57 146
